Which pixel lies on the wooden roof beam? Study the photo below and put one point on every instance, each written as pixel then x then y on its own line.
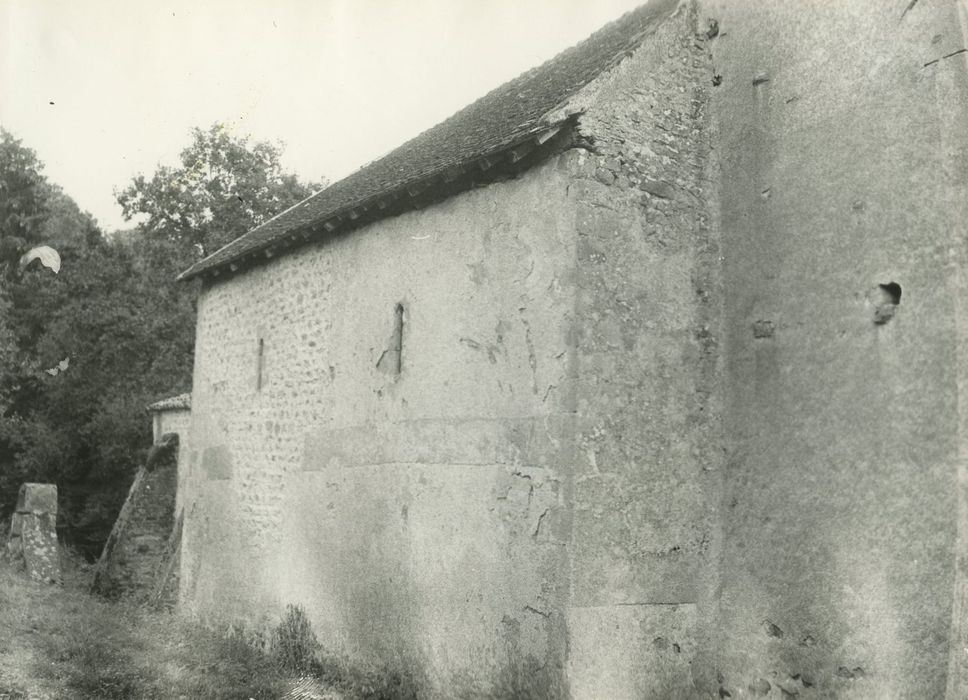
pixel 521 150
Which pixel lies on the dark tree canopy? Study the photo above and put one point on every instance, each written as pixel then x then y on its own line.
pixel 24 199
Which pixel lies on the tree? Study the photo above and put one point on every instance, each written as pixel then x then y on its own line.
pixel 30 210
pixel 83 352
pixel 112 346
pixel 225 186
pixel 24 200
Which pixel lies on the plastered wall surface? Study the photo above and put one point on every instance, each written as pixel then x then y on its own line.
pixel 842 414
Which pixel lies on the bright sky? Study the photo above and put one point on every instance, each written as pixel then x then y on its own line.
pixel 106 89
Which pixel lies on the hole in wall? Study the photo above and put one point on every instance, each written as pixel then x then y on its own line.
pixel 763 329
pixel 893 290
pixel 887 296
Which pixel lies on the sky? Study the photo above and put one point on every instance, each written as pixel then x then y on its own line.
pixel 104 90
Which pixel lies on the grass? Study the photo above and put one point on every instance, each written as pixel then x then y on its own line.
pixel 296 649
pixel 60 642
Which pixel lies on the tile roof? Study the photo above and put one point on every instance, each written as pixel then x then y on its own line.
pixel 506 117
pixel 182 401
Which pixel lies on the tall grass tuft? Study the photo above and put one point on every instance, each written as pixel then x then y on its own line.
pixel 294 644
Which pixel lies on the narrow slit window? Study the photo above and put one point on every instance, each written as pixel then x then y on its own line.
pixel 398 337
pixel 259 364
pixel 391 359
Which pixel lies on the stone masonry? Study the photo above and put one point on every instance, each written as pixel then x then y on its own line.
pixel 139 547
pixel 32 542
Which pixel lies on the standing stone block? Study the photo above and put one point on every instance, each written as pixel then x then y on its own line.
pixel 32 542
pixel 38 499
pixel 40 548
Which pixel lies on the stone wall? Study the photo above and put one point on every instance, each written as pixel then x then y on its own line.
pixel 678 413
pixel 840 128
pixel 138 549
pixel 414 515
pixel 499 499
pixel 646 398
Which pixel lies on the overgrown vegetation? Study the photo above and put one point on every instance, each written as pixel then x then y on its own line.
pixel 294 647
pixel 84 351
pixel 60 642
pixel 294 643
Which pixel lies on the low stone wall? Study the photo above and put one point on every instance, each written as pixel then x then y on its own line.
pixel 32 542
pixel 139 547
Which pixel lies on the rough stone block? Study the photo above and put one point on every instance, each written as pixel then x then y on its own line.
pixel 40 548
pixel 37 498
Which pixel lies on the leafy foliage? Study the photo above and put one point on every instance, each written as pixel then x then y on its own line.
pixel 84 351
pixel 24 199
pixel 224 187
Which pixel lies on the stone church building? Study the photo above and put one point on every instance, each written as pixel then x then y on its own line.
pixel 643 376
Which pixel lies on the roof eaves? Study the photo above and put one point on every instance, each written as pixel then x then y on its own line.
pixel 179 402
pixel 518 153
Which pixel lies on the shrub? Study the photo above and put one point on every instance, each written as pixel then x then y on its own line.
pixel 294 644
